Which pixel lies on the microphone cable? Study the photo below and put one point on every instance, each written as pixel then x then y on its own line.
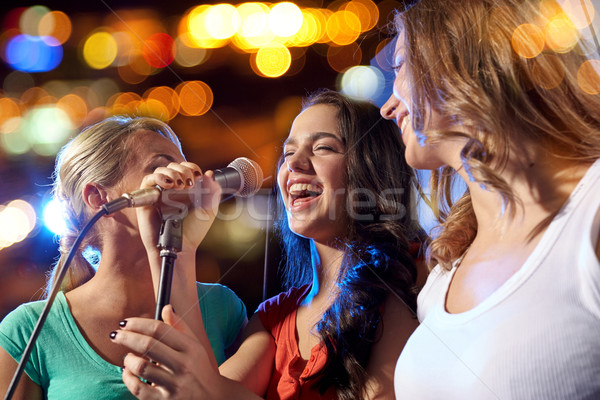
pixel 50 300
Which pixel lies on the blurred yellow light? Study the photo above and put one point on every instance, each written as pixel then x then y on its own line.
pixel 561 34
pixel 196 98
pixel 273 61
pixel 56 24
pixel 343 27
pixel 152 108
pixel 550 9
pixel 27 210
pixel 588 77
pixel 196 24
pixel 75 107
pixel 366 11
pixel 186 55
pixel 310 31
pixel 11 125
pixel 100 50
pixel 285 19
pixel 321 16
pixel 528 40
pixel 166 96
pixel 254 19
pixel 9 108
pixel 222 21
pixel 30 19
pixel 580 12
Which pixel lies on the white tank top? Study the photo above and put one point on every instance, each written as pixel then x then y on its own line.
pixel 535 337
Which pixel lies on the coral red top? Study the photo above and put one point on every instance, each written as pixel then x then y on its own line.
pixel 289 380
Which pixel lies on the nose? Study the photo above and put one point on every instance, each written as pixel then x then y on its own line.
pixel 297 162
pixel 388 110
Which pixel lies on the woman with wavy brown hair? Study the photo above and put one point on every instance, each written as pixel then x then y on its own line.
pixel 486 92
pixel 347 225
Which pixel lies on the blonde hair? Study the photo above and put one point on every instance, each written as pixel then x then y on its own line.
pixel 98 154
pixel 460 58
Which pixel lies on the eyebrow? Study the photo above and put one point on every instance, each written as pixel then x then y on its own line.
pixel 313 137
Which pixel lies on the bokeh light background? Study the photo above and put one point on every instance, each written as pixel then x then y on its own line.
pixel 228 77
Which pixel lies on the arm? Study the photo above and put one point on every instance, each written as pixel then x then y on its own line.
pixel 182 365
pixel 252 365
pixel 206 192
pixel 399 323
pixel 26 389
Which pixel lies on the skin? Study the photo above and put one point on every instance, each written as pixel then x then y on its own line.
pixel 503 242
pixel 314 152
pixel 127 276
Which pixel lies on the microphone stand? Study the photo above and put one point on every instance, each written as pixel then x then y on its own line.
pixel 170 242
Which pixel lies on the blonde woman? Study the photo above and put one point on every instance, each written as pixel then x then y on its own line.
pixel 511 309
pixel 74 357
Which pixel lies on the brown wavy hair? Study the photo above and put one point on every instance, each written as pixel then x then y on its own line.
pixel 460 58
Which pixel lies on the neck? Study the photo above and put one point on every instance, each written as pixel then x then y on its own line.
pixel 540 182
pixel 123 282
pixel 326 262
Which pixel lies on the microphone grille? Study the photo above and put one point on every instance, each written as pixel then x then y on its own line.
pixel 251 174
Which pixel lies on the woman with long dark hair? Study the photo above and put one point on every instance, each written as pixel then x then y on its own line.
pixel 346 221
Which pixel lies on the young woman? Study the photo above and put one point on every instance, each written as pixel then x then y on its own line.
pixel 347 227
pixel 73 357
pixel 512 308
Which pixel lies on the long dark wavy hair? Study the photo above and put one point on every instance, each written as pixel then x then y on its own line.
pixel 376 261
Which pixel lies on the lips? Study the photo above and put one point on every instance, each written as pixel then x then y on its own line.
pixel 301 193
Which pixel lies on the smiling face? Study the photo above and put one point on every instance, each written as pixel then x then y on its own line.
pixel 420 153
pixel 312 178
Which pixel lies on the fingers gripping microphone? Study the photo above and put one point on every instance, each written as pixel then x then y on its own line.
pixel 242 177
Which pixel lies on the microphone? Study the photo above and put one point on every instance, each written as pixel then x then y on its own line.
pixel 242 177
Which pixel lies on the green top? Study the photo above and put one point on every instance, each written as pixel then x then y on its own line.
pixel 66 367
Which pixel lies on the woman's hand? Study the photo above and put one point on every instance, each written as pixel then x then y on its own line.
pixel 180 366
pixel 188 188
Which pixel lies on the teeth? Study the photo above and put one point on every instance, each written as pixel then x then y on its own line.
pixel 301 187
pixel 404 124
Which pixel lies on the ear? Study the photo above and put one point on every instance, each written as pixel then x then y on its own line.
pixel 94 196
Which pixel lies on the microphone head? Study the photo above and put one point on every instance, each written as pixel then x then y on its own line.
pixel 251 175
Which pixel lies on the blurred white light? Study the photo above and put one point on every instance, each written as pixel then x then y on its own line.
pixel 53 217
pixel 363 82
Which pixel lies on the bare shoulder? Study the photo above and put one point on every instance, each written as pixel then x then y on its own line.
pixel 26 389
pixel 399 322
pixel 252 364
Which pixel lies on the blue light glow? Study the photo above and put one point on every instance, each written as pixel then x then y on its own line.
pixel 33 53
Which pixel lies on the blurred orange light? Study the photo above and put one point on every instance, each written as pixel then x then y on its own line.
pixel 168 97
pixel 366 11
pixel 9 108
pixel 343 27
pixel 75 107
pixel 528 40
pixel 56 24
pixel 588 77
pixel 548 71
pixel 152 108
pixel 196 98
pixel 124 103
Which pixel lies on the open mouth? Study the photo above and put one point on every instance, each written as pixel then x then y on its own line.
pixel 304 192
